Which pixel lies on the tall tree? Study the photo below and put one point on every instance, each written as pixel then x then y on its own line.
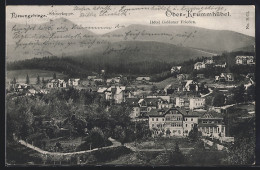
pixel 219 100
pixel 153 89
pixel 54 76
pixel 43 81
pixel 239 93
pixel 27 79
pixel 194 134
pixel 38 81
pixel 14 81
pixel 176 157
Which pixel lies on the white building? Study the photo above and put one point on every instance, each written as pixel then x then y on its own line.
pixel 175 69
pixel 191 102
pixel 209 60
pixel 212 126
pixel 73 82
pixel 199 65
pixel 190 120
pixel 245 60
pixel 115 93
pixel 182 102
pixel 197 103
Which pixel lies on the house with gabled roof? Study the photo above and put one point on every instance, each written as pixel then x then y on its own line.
pixel 115 80
pixel 167 122
pixel 115 93
pixel 147 104
pixel 179 122
pixel 245 60
pixel 156 120
pixel 199 65
pixel 211 124
pixel 133 103
pixel 91 77
pixel 188 85
pixel 56 83
pixel 190 119
pixel 224 77
pixel 175 69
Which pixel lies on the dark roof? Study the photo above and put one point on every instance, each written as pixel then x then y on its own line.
pixel 188 113
pixel 132 101
pixel 211 114
pixel 207 125
pixel 155 113
pixel 151 101
pixel 175 111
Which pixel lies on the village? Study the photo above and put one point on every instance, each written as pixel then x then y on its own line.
pixel 174 108
pixel 170 111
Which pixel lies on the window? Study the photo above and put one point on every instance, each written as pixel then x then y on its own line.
pixel 156 119
pixel 191 119
pixel 186 119
pixel 152 119
pixel 186 125
pixel 152 125
pixel 163 119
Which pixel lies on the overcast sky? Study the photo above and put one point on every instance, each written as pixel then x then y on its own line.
pixel 236 22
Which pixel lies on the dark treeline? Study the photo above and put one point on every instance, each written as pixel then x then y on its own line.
pixel 81 68
pixel 66 66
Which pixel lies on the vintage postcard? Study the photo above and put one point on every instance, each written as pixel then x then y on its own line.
pixel 144 85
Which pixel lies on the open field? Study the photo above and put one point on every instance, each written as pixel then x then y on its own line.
pixel 20 75
pixel 162 143
pixel 164 83
pixel 68 145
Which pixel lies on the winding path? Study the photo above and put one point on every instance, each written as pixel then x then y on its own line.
pixel 115 144
pixel 135 149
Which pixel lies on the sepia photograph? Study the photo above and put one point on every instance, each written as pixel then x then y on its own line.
pixel 130 85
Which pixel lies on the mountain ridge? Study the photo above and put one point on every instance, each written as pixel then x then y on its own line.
pixel 179 35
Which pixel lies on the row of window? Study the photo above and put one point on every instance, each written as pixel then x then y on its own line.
pixel 169 119
pixel 199 104
pixel 174 131
pixel 187 125
pixel 158 125
pixel 173 118
pixel 209 122
pixel 186 119
pixel 211 129
pixel 157 119
pixel 176 125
